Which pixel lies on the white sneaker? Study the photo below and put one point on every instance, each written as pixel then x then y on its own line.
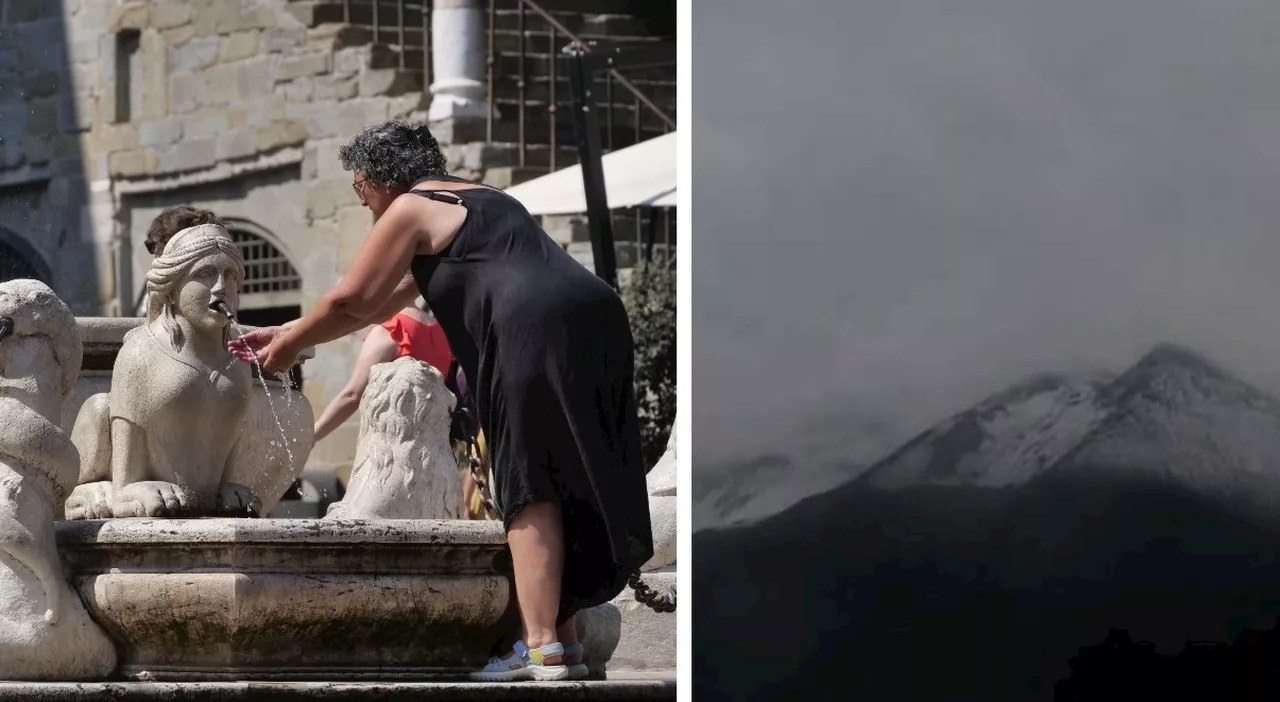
pixel 524 664
pixel 577 671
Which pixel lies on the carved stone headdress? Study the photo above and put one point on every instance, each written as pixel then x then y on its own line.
pixel 170 269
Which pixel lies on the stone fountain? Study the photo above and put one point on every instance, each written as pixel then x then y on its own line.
pixel 128 547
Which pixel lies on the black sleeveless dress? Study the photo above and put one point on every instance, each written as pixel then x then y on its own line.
pixel 547 349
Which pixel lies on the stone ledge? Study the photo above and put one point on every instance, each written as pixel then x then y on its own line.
pixel 637 687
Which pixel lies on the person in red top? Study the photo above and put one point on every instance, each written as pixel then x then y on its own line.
pixel 411 332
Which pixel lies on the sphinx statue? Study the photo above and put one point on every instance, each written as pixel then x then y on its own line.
pixel 404 466
pixel 161 443
pixel 45 631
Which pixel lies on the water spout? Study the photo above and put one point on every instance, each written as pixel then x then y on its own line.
pixel 221 306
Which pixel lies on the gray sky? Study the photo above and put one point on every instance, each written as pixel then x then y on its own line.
pixel 900 206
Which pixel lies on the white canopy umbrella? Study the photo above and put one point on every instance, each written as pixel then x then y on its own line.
pixel 639 175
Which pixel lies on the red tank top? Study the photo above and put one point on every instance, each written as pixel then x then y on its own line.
pixel 425 342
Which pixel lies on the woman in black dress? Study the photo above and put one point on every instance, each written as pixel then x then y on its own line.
pixel 546 347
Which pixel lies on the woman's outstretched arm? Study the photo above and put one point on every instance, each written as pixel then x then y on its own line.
pixel 378 347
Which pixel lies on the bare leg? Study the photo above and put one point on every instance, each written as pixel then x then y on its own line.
pixel 536 539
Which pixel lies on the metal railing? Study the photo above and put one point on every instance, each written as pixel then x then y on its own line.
pixel 557 37
pixel 402 23
pixel 405 27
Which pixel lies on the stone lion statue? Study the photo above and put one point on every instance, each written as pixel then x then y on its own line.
pixel 404 465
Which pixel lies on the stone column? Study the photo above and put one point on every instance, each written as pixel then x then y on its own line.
pixel 458 51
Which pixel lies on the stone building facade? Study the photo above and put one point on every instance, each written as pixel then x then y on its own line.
pixel 112 110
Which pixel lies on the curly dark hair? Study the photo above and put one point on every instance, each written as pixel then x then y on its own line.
pixel 173 220
pixel 394 154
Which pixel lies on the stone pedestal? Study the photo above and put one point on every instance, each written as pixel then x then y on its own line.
pixel 458 61
pixel 268 599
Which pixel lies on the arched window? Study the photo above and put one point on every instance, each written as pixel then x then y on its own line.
pixel 19 260
pixel 270 280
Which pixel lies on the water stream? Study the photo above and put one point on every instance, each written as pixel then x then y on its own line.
pixel 239 330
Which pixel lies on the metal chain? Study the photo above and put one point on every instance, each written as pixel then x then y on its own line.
pixel 657 601
pixel 477 477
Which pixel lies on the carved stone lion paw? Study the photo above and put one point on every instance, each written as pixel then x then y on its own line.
pixel 150 498
pixel 236 500
pixel 90 501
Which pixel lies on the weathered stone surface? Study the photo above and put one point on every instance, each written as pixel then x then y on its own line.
pixel 132 163
pixel 404 466
pixel 477 156
pixel 132 15
pixel 46 634
pixel 189 155
pixel 178 35
pixel 219 85
pixel 350 61
pixel 279 134
pixel 209 124
pixel 299 90
pixel 291 67
pixel 170 14
pixel 388 82
pixel 325 196
pixel 328 599
pixel 278 39
pixel 335 88
pixel 196 54
pixel 109 138
pixel 266 109
pixel 253 78
pixel 185 92
pixel 240 45
pixel 648 638
pixel 236 145
pixel 159 132
pixel 353 225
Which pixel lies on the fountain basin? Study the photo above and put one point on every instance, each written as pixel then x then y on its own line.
pixel 288 599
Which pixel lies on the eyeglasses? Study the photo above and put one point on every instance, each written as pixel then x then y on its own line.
pixel 356 186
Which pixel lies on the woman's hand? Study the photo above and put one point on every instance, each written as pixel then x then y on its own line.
pixel 278 356
pixel 265 346
pixel 249 347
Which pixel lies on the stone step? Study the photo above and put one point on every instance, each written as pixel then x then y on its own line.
pixel 622 687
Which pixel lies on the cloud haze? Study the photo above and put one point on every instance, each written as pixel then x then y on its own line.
pixel 901 206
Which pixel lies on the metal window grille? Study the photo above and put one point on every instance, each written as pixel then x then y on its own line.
pixel 266 269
